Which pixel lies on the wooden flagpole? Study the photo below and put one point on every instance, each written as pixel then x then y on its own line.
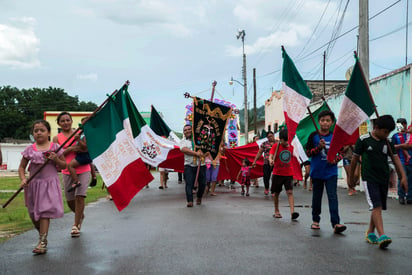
pixel 61 146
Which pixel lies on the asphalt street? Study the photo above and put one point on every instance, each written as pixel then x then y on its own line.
pixel 227 234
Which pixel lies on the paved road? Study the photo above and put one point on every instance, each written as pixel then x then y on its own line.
pixel 227 234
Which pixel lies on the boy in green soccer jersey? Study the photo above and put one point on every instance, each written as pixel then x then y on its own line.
pixel 374 148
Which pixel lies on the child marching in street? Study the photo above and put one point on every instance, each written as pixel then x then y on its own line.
pixel 245 179
pixel 324 173
pixel 280 157
pixel 43 195
pixel 374 148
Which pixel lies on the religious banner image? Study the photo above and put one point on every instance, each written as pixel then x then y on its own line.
pixel 209 125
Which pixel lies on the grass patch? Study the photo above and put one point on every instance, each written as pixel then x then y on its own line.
pixel 14 219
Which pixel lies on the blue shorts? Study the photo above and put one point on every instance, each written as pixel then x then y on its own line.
pixel 83 158
pixel 376 194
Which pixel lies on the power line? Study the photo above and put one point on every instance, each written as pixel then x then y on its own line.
pixel 345 33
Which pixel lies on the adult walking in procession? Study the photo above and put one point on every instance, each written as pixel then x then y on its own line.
pixel 267 168
pixel 193 165
pixel 75 192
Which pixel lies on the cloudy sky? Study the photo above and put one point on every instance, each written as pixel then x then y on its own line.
pixel 89 48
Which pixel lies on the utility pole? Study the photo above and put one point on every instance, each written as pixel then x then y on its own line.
pixel 364 36
pixel 254 100
pixel 241 34
pixel 406 39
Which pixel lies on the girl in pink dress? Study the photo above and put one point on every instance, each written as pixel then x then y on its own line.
pixel 42 194
pixel 245 180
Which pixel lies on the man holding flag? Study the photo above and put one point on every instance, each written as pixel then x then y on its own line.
pixel 193 166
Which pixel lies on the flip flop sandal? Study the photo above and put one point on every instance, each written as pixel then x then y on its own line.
pixel 339 228
pixel 75 232
pixel 315 226
pixel 71 189
pixel 295 215
pixel 277 215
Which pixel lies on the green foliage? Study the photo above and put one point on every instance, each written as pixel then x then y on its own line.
pixel 19 108
pixel 260 115
pixel 14 219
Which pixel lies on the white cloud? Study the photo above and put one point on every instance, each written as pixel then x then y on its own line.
pixel 90 76
pixel 282 21
pixel 19 46
pixel 177 18
pixel 291 37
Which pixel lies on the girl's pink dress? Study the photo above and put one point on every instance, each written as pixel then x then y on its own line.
pixel 43 195
pixel 245 175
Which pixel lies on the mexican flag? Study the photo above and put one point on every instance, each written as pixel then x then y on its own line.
pixel 175 158
pixel 296 98
pixel 303 131
pixel 115 155
pixel 159 126
pixel 357 106
pixel 153 149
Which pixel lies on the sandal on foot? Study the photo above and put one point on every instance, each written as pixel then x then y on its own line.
pixel 384 241
pixel 371 238
pixel 295 215
pixel 75 232
pixel 41 248
pixel 339 228
pixel 74 186
pixel 315 226
pixel 277 215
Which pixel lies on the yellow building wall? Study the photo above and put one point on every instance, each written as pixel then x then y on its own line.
pixel 51 117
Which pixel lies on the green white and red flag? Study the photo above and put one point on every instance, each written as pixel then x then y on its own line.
pixel 296 99
pixel 159 126
pixel 175 157
pixel 357 106
pixel 115 156
pixel 305 128
pixel 153 149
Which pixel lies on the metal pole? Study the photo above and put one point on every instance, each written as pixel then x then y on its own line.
pixel 246 115
pixel 254 100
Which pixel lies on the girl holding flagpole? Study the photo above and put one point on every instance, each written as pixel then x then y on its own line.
pixel 42 191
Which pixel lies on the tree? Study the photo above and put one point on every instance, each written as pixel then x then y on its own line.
pixel 19 108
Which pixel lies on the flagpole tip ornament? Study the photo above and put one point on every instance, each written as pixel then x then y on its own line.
pixel 127 83
pixel 186 95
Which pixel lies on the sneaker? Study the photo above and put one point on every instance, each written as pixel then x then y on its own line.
pixel 401 200
pixel 371 238
pixel 384 241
